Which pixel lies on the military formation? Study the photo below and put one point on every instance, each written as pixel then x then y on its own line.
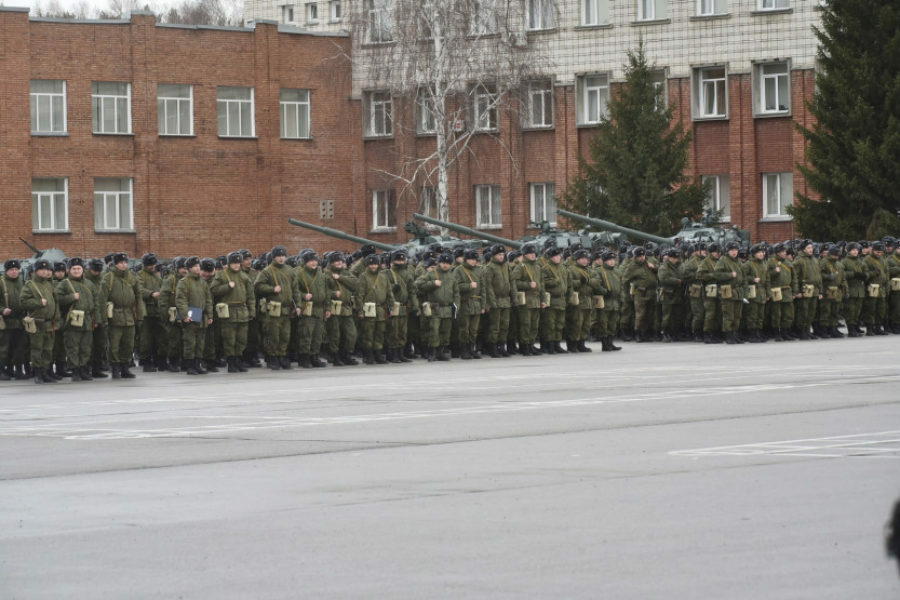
pixel 89 319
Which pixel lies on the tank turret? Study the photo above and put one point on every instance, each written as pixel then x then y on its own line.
pixel 468 231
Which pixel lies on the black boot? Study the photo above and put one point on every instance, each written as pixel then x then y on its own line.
pixel 454 350
pixel 38 376
pixel 464 352
pixel 97 373
pixel 210 366
pixel 368 356
pixel 4 373
pixel 116 373
pixel 198 366
pixel 174 365
pixel 473 350
pixel 547 348
pixel 61 370
pixel 880 330
pixel 76 374
pixel 191 368
pixel 777 336
pixel 150 365
pixel 124 371
pixel 348 360
pixel 582 347
pixel 379 357
pixel 285 363
pixel 612 346
pixel 85 374
pixel 441 354
pixel 239 364
pixel 273 363
pixel 232 365
pixel 305 362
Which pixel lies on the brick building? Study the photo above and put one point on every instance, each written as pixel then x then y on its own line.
pixel 140 136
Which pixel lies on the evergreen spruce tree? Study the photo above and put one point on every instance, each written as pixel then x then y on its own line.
pixel 636 173
pixel 853 150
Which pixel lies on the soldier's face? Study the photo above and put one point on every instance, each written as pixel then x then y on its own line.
pixel 471 261
pixel 733 253
pixel 122 265
pixel 195 269
pixel 77 271
pixel 611 262
pixel 808 250
pixel 43 273
pixel 12 273
pixel 373 267
pixel 531 256
pixel 281 259
pixel 500 257
pixel 556 259
pixel 878 253
pixel 854 253
pixel 582 261
pixel 444 266
pixel 313 264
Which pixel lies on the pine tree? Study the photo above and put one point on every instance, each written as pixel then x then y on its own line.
pixel 853 149
pixel 636 173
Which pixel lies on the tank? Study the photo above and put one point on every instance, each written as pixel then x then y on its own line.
pixel 561 238
pixel 690 231
pixel 610 226
pixel 468 231
pixel 54 255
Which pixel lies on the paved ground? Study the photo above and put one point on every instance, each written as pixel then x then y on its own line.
pixel 664 471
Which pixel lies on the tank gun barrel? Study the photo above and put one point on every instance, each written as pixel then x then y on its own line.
pixel 341 235
pixel 468 231
pixel 30 247
pixel 609 226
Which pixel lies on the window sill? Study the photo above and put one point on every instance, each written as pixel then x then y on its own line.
pixel 238 137
pixel 771 11
pixel 298 139
pixel 311 23
pixel 333 21
pixel 772 115
pixel 651 22
pixel 384 230
pixel 177 135
pixel 426 134
pixel 711 118
pixel 489 227
pixel 50 134
pixel 50 231
pixel 777 219
pixel 715 17
pixel 590 27
pixel 483 36
pixel 126 134
pixel 537 127
pixel 373 138
pixel 114 231
pixel 487 131
pixel 540 31
pixel 587 125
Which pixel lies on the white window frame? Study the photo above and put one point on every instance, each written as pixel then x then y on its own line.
pixel 538 100
pixel 165 102
pixel 429 202
pixel 484 108
pixel 287 14
pixel 59 223
pixel 483 19
pixel 103 102
pixel 426 123
pixel 51 102
pixel 710 8
pixel 312 13
pixel 108 206
pixel 388 214
pixel 719 198
pixel 773 4
pixel 238 106
pixel 379 23
pixel 334 11
pixel 489 193
pixel 379 114
pixel 593 84
pixel 542 196
pixel 540 14
pixel 704 85
pixel 652 10
pixel 297 108
pixel 661 81
pixel 784 190
pixel 593 13
pixel 780 81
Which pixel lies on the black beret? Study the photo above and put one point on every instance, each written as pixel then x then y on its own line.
pixel 12 264
pixel 208 265
pixel 372 259
pixel 43 263
pixel 191 261
pixel 59 266
pixel 75 262
pixel 445 258
pixel 149 259
pixel 235 257
pixel 119 257
pixel 471 255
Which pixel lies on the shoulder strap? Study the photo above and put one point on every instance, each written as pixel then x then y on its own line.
pixel 35 287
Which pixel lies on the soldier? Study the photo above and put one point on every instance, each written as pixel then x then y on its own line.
pixel 39 301
pixel 59 344
pixel 193 301
pixel 875 305
pixel 168 313
pixel 212 347
pixel 12 336
pixel 731 282
pixel 892 258
pixel 835 287
pixel 693 285
pixel 555 283
pixel 855 278
pixel 640 277
pixel 528 283
pixel 251 352
pixel 498 297
pixel 471 307
pixel 152 350
pixel 100 343
pixel 277 285
pixel 340 329
pixel 315 296
pixel 121 307
pixel 712 316
pixel 375 295
pixel 438 287
pixel 809 280
pixel 78 298
pixel 406 303
pixel 756 273
pixel 235 306
pixel 608 314
pixel 782 288
pixel 586 284
pixel 671 287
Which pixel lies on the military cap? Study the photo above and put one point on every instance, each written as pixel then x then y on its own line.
pixel 208 265
pixel 399 254
pixel 95 264
pixel 852 246
pixel 308 256
pixel 459 251
pixel 581 253
pixel 671 253
pixel 650 245
pixel 291 261
pixel 149 259
pixel 385 258
pixel 258 264
pixel 279 251
pixel 498 249
pixel 59 266
pixel 638 251
pixel 513 255
pixel 445 258
pixel 834 251
pixel 191 261
pixel 245 253
pixel 702 246
pixel 235 257
pixel 336 257
pixel 179 262
pixel 42 263
pixel 11 264
pixel 609 255
pixel 688 249
pixel 108 258
pixel 428 262
pixel 878 246
pixel 75 262
pixel 714 247
pixel 732 246
pixel 804 243
pixel 470 255
pixel 779 247
pixel 528 249
pixel 486 255
pixel 436 248
pixel 553 251
pixel 372 259
pixel 863 243
pixel 119 257
pixel 367 249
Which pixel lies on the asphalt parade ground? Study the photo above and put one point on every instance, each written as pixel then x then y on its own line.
pixel 681 471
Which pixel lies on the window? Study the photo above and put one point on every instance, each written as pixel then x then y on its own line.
pixel 593 98
pixel 708 8
pixel 660 83
pixel 111 107
pixel 384 209
pixel 710 99
pixel 773 88
pixel 113 205
pixel 287 13
pixel 294 114
pixel 235 106
pixel 312 13
pixel 379 25
pixel 425 109
pixel 429 203
pixel 483 17
pixel 537 109
pixel 774 4
pixel 334 8
pixel 543 202
pixel 175 109
pixel 379 121
pixel 485 108
pixel 48 106
pixel 540 14
pixel 718 197
pixel 487 206
pixel 594 12
pixel 652 10
pixel 778 194
pixel 50 205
